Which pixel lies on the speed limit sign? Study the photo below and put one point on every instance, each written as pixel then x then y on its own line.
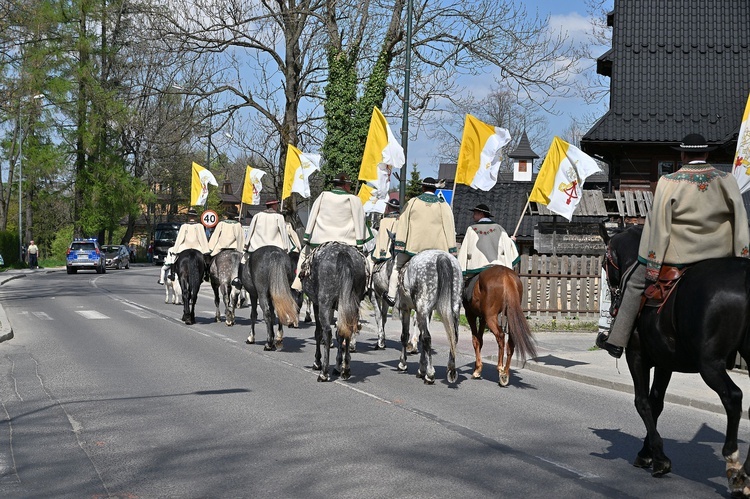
pixel 209 219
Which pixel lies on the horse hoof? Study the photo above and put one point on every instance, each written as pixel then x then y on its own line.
pixel 322 378
pixel 230 324
pixel 659 469
pixel 346 374
pixel 269 348
pixel 380 345
pixel 642 462
pixel 476 375
pixel 504 380
pixel 452 376
pixel 411 349
pixel 420 375
pixel 402 367
pixel 316 366
pixel 429 380
pixel 353 349
pixel 250 340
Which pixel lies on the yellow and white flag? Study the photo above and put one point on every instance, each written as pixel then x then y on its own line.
pixel 252 186
pixel 741 169
pixel 560 181
pixel 299 166
pixel 382 154
pixel 199 186
pixel 480 154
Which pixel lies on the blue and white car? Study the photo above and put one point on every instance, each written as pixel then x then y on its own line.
pixel 85 254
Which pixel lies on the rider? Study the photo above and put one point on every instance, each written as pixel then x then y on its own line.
pixel 336 215
pixel 268 228
pixel 388 225
pixel 426 223
pixel 191 235
pixel 697 214
pixel 486 244
pixel 228 234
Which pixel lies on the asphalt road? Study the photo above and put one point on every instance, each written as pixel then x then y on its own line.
pixel 105 393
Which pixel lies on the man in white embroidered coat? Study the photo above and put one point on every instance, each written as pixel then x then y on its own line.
pixel 426 223
pixel 336 215
pixel 227 234
pixel 697 214
pixel 486 244
pixel 389 223
pixel 192 235
pixel 268 228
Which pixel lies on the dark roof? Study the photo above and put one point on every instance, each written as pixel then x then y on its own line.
pixel 675 68
pixel 523 150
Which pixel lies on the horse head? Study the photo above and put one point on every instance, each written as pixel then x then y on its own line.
pixel 621 254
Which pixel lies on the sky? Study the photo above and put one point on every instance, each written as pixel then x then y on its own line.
pixel 568 16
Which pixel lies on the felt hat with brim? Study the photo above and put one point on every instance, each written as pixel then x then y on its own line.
pixel 231 212
pixel 482 208
pixel 394 203
pixel 272 202
pixel 694 142
pixel 341 179
pixel 192 213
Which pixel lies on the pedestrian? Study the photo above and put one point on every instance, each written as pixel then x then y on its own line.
pixel 33 251
pixel 697 214
pixel 336 215
pixel 485 244
pixel 426 223
pixel 150 252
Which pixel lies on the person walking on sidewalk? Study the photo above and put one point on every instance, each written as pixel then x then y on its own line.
pixel 426 223
pixel 33 254
pixel 697 214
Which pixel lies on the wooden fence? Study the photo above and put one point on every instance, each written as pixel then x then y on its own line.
pixel 561 286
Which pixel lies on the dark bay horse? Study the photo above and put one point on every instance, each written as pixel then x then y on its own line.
pixel 190 268
pixel 267 276
pixel 430 281
pixel 336 282
pixel 700 329
pixel 225 267
pixel 498 290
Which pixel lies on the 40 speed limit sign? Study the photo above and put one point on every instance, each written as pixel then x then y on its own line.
pixel 209 219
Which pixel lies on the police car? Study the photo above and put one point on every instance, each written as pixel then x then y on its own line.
pixel 85 254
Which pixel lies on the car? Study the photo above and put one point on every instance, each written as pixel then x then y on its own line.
pixel 116 256
pixel 85 254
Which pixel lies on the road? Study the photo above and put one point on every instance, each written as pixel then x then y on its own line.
pixel 105 393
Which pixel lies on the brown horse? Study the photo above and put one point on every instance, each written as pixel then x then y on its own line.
pixel 498 290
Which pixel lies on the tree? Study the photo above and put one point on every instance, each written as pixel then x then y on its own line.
pixel 414 186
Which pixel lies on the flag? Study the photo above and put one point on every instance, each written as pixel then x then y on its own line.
pixel 741 169
pixel 480 154
pixel 252 186
pixel 382 154
pixel 560 180
pixel 299 166
pixel 199 186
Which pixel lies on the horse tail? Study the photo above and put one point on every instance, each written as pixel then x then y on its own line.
pixel 518 326
pixel 281 294
pixel 448 291
pixel 348 308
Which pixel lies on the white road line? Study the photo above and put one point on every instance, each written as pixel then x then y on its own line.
pixel 140 313
pixel 41 315
pixel 91 314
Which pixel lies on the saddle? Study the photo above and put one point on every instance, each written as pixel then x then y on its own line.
pixel 657 293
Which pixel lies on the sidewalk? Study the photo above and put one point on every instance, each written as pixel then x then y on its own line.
pixel 566 355
pixel 570 355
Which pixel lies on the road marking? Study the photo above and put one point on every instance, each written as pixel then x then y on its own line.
pixel 41 315
pixel 140 313
pixel 91 314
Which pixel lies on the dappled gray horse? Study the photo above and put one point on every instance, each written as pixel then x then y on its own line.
pixel 225 267
pixel 381 272
pixel 336 281
pixel 430 281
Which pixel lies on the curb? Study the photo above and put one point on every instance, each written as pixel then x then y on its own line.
pixel 6 330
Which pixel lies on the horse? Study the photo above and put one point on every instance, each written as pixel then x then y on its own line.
pixel 172 290
pixel 498 290
pixel 381 273
pixel 700 329
pixel 190 269
pixel 225 267
pixel 430 281
pixel 267 277
pixel 335 281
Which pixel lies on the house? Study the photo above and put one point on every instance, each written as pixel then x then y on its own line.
pixel 675 68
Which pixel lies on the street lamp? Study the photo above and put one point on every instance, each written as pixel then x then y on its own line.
pixel 405 118
pixel 20 174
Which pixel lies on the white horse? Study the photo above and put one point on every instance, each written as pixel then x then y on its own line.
pixel 430 281
pixel 172 289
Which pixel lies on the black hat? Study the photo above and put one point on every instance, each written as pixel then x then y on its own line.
pixel 271 203
pixel 393 203
pixel 482 208
pixel 341 179
pixel 694 142
pixel 192 213
pixel 231 211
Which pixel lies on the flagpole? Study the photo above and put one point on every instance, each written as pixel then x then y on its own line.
pixel 453 194
pixel 518 225
pixel 405 117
